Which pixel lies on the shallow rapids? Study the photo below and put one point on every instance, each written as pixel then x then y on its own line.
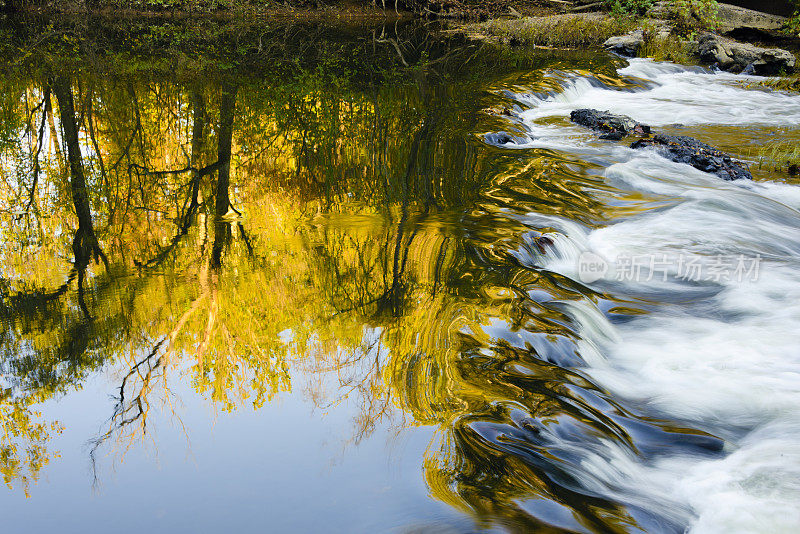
pixel 718 350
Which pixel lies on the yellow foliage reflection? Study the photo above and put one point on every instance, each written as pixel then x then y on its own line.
pixel 358 236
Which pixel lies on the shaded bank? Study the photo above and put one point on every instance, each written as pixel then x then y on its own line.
pixel 307 9
pixel 775 7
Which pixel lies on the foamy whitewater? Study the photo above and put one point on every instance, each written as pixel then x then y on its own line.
pixel 722 355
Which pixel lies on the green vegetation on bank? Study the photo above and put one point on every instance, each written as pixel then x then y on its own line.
pixel 687 18
pixel 342 7
pixel 691 16
pixel 793 25
pixel 666 48
pixel 687 15
pixel 472 9
pixel 628 7
pixel 555 31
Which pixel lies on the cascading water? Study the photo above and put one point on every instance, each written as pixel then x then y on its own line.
pixel 716 351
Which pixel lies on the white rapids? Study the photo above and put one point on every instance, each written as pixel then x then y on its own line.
pixel 721 353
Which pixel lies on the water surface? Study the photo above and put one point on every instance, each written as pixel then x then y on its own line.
pixel 303 277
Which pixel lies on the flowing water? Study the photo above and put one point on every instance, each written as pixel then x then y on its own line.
pixel 372 279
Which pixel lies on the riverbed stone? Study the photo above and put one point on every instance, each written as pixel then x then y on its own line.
pixel 613 127
pixel 626 45
pixel 688 150
pixel 734 56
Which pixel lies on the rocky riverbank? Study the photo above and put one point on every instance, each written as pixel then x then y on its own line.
pixel 718 47
pixel 734 39
pixel 737 40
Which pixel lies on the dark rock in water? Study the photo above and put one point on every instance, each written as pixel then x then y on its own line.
pixel 542 242
pixel 688 150
pixel 615 127
pixel 613 136
pixel 678 148
pixel 503 138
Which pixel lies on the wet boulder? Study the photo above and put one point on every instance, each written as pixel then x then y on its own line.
pixel 688 150
pixel 625 45
pixel 612 126
pixel 737 57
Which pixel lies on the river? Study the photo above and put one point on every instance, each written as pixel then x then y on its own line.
pixel 335 277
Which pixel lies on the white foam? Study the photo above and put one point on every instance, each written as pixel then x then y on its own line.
pixel 676 95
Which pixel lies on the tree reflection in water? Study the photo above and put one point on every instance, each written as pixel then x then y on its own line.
pixel 319 204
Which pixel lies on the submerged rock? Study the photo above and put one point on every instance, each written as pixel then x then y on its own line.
pixel 626 45
pixel 614 127
pixel 734 56
pixel 688 150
